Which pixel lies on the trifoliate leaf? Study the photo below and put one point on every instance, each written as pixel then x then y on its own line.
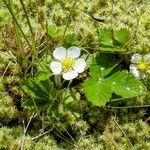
pixel 106 37
pixel 33 89
pixel 40 90
pixel 113 41
pixel 102 65
pixel 122 36
pixel 97 91
pixel 125 84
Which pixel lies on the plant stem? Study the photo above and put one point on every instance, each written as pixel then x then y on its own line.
pixel 57 100
pixel 15 20
pixel 34 55
pixel 47 41
pixel 69 18
pixel 19 41
pixel 58 81
pixel 127 107
pixel 26 15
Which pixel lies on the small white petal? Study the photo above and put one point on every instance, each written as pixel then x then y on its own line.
pixel 70 75
pixel 80 65
pixel 133 69
pixel 56 67
pixel 59 53
pixel 73 52
pixel 136 73
pixel 136 58
pixel 147 58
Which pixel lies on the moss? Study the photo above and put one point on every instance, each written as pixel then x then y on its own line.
pixel 8 111
pixel 94 130
pixel 12 138
pixel 137 133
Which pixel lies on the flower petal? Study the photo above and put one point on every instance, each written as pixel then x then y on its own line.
pixel 80 65
pixel 147 58
pixel 73 52
pixel 133 69
pixel 70 75
pixel 56 67
pixel 136 58
pixel 59 53
pixel 136 73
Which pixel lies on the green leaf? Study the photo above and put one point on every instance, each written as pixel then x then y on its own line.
pixel 106 37
pixel 70 40
pixel 113 41
pixel 53 31
pixel 97 91
pixel 100 86
pixel 41 92
pixel 33 89
pixel 125 84
pixel 39 103
pixel 102 65
pixel 42 75
pixel 42 66
pixel 122 36
pixel 48 87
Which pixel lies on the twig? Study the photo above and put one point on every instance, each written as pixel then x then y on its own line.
pixel 3 96
pixel 62 136
pixel 36 137
pixel 64 139
pixel 142 106
pixel 37 109
pixel 25 130
pixel 6 68
pixel 65 129
pixel 124 133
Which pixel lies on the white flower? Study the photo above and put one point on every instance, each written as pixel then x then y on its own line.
pixel 140 66
pixel 67 62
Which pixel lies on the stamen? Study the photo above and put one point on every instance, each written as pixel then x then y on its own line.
pixel 142 66
pixel 68 63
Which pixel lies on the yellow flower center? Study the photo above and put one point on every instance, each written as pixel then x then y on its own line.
pixel 67 63
pixel 142 66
